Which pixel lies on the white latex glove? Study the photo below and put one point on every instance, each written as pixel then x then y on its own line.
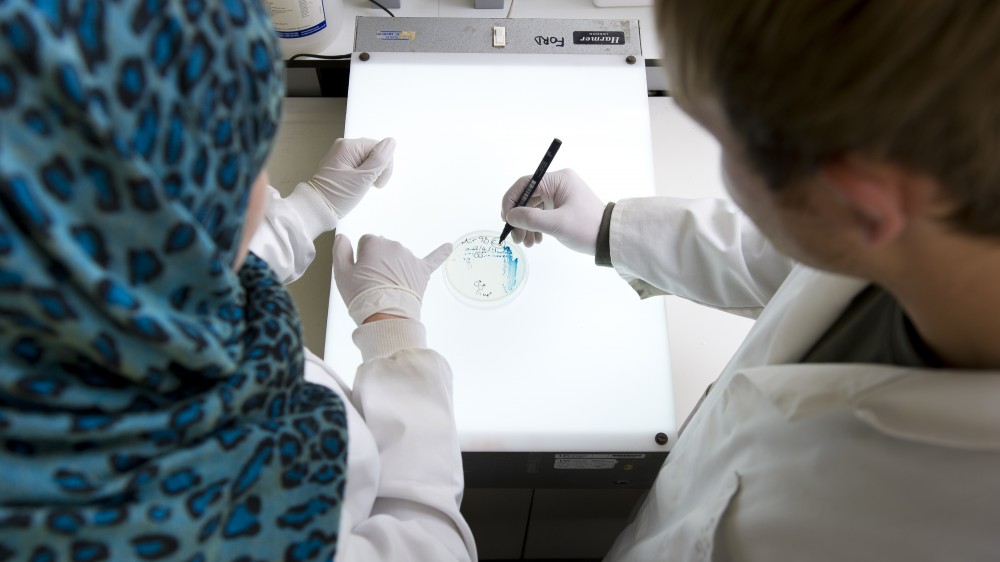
pixel 386 277
pixel 349 169
pixel 562 206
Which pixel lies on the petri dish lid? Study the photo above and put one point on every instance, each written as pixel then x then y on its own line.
pixel 482 273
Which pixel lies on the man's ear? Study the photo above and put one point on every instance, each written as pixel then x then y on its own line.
pixel 875 192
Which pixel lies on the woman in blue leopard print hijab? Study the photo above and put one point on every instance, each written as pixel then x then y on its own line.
pixel 151 399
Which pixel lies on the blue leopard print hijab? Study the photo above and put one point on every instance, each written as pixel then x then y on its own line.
pixel 152 405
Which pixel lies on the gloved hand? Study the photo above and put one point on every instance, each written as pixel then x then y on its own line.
pixel 562 206
pixel 350 167
pixel 386 277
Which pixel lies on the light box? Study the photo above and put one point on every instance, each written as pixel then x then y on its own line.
pixel 576 362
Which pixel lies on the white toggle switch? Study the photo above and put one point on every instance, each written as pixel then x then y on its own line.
pixel 499 36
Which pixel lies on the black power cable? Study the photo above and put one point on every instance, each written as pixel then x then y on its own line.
pixel 341 57
pixel 383 8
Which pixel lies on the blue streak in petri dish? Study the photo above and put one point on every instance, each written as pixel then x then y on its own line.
pixel 510 268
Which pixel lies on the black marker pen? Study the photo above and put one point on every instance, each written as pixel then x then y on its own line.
pixel 530 188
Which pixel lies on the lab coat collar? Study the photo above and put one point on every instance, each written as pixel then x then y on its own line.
pixel 951 408
pixel 802 309
pixel 945 407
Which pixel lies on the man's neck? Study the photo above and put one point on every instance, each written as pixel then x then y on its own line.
pixel 951 293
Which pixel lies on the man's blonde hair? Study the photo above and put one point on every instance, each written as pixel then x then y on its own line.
pixel 801 82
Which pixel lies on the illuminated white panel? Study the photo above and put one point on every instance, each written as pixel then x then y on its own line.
pixel 577 362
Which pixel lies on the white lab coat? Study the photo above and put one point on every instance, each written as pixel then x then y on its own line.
pixel 404 468
pixel 789 462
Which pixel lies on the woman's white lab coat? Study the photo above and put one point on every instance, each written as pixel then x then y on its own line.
pixel 789 462
pixel 404 469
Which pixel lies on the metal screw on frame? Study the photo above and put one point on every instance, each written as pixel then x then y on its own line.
pixel 364 56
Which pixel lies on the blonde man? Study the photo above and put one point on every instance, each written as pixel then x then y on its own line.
pixel 860 419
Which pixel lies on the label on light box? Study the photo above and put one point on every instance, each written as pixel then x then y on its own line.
pixel 396 35
pixel 592 461
pixel 585 464
pixel 598 38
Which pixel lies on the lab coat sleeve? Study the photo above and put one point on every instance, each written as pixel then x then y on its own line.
pixel 404 393
pixel 704 250
pixel 285 237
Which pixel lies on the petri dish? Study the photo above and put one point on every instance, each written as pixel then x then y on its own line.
pixel 482 273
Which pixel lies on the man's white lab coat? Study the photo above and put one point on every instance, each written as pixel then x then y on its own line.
pixel 404 469
pixel 804 462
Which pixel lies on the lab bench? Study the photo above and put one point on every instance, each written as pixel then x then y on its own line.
pixel 702 340
pixel 517 505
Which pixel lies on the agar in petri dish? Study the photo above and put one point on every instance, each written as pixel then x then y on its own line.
pixel 483 273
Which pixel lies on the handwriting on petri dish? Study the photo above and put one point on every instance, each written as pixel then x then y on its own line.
pixel 478 251
pixel 479 247
pixel 482 289
pixel 484 273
